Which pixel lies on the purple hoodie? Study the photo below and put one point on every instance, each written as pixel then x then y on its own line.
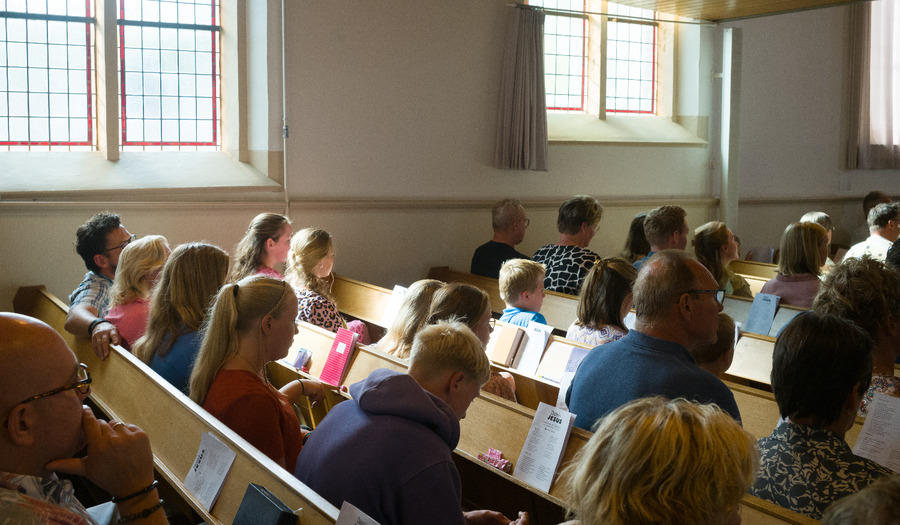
pixel 388 451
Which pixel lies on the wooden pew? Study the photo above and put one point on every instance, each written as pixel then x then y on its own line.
pixel 761 270
pixel 494 422
pixel 126 389
pixel 558 308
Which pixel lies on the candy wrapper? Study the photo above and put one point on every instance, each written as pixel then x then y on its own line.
pixel 495 459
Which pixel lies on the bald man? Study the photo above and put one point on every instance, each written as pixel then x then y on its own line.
pixel 46 424
pixel 677 303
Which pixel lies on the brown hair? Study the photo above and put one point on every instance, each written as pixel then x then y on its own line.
pixel 308 247
pixel 604 289
pixel 578 210
pixel 711 353
pixel 662 222
pixel 800 249
pixel 249 251
pixel 708 242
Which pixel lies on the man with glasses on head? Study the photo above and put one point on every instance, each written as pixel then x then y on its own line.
pixel 509 221
pixel 99 242
pixel 677 302
pixel 45 424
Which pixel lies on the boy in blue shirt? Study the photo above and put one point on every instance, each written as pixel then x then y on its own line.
pixel 522 289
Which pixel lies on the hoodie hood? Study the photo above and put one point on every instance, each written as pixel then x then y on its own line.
pixel 387 392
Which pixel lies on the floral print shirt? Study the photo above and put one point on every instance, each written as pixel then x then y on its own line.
pixel 805 469
pixel 606 334
pixel 888 385
pixel 33 500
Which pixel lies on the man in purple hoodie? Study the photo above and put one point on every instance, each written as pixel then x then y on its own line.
pixel 388 451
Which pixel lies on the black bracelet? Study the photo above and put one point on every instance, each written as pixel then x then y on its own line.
pixel 142 514
pixel 144 490
pixel 302 386
pixel 94 324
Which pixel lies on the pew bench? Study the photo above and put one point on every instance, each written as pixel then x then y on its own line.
pixel 126 389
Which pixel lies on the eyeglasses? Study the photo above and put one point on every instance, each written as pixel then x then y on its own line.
pixel 123 245
pixel 83 384
pixel 492 323
pixel 719 294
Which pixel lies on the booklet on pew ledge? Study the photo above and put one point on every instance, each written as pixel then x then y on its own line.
pixel 544 446
pixel 575 359
pixel 339 357
pixel 504 343
pixel 350 515
pixel 762 313
pixel 261 507
pixel 878 440
pixel 529 355
pixel 553 365
pixel 209 470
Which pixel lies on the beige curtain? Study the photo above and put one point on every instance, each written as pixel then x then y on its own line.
pixel 522 118
pixel 874 118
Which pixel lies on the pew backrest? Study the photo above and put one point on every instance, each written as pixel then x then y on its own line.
pixel 761 270
pixel 127 389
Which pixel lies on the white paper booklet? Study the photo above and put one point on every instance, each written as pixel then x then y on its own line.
pixel 879 439
pixel 529 356
pixel 210 468
pixel 575 359
pixel 351 515
pixel 544 446
pixel 393 306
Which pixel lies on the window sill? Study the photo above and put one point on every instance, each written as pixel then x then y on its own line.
pixel 624 130
pixel 135 176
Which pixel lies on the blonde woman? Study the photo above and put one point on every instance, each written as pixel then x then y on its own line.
pixel 310 262
pixel 804 248
pixel 265 244
pixel 603 303
pixel 715 248
pixel 189 280
pixel 137 273
pixel 399 338
pixel 472 306
pixel 250 324
pixel 656 460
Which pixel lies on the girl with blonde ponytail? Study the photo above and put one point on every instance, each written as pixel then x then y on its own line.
pixel 251 323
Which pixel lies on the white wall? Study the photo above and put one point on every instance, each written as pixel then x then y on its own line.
pixel 791 127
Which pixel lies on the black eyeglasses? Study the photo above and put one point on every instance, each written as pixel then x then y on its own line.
pixel 123 245
pixel 83 384
pixel 719 294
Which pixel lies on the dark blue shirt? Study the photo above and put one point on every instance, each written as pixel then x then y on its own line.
pixel 636 366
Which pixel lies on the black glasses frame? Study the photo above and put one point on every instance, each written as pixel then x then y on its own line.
pixel 719 294
pixel 123 245
pixel 83 385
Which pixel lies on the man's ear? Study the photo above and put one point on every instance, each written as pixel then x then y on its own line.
pixel 684 305
pixel 20 425
pixel 456 381
pixel 101 260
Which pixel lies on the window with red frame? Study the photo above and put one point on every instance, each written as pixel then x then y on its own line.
pixel 46 94
pixel 169 74
pixel 631 53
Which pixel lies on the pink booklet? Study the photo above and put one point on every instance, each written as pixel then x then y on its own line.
pixel 338 357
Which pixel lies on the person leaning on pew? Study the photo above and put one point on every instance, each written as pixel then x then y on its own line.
pixel 46 424
pixel 388 451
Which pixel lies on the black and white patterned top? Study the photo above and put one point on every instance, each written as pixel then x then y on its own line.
pixel 805 469
pixel 566 266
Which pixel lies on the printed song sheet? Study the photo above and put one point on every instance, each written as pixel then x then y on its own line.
pixel 879 439
pixel 210 468
pixel 544 446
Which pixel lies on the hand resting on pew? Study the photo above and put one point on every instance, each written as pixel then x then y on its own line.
pixel 312 389
pixel 490 517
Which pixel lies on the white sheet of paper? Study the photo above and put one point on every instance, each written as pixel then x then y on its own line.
pixel 544 446
pixel 762 313
pixel 351 515
pixel 575 359
pixel 209 470
pixel 529 356
pixel 879 439
pixel 393 306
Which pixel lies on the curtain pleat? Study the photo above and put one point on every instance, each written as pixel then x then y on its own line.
pixel 522 116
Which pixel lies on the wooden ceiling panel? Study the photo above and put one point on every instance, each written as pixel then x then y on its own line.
pixel 720 10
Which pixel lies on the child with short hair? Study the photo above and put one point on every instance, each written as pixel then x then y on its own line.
pixel 716 357
pixel 522 289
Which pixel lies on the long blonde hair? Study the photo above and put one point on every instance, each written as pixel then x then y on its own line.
pixel 399 338
pixel 137 261
pixel 249 251
pixel 800 249
pixel 189 279
pixel 237 309
pixel 308 247
pixel 656 460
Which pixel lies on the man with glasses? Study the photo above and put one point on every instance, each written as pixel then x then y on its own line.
pixel 99 242
pixel 45 424
pixel 677 303
pixel 509 222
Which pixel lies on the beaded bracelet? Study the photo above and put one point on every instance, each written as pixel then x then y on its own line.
pixel 142 514
pixel 94 324
pixel 133 495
